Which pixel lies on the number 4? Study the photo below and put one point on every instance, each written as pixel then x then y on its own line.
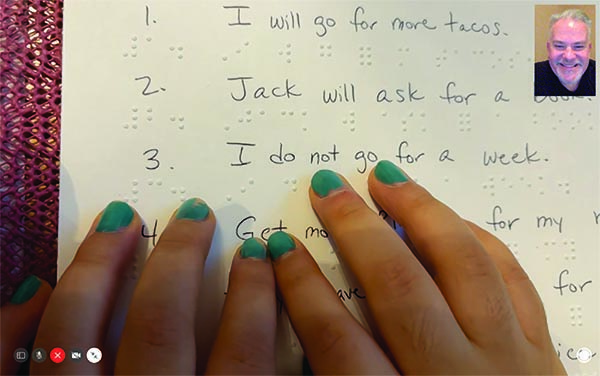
pixel 153 235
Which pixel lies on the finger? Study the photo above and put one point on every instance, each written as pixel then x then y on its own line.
pixel 409 310
pixel 79 310
pixel 526 302
pixel 158 336
pixel 20 319
pixel 462 269
pixel 245 343
pixel 400 231
pixel 332 339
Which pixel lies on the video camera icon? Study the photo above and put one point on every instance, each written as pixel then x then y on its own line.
pixel 76 355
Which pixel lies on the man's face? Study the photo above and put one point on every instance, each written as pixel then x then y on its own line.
pixel 569 51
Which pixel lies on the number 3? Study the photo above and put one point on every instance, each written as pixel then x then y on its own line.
pixel 152 158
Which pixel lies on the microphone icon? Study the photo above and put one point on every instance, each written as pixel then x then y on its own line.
pixel 39 355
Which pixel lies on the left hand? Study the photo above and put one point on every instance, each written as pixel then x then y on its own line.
pixel 159 334
pixel 20 319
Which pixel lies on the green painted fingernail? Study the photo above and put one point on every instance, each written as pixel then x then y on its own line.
pixel 388 173
pixel 116 216
pixel 26 290
pixel 325 181
pixel 280 243
pixel 252 248
pixel 194 209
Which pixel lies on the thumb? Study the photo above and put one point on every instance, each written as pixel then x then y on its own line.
pixel 19 320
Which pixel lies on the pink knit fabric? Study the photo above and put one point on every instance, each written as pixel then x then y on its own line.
pixel 30 72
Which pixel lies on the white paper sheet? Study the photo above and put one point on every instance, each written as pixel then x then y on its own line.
pixel 154 112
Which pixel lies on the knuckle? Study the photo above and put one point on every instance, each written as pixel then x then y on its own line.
pixel 175 245
pixel 345 206
pixel 296 279
pixel 425 329
pixel 249 353
pixel 155 327
pixel 92 260
pixel 476 263
pixel 513 274
pixel 497 309
pixel 398 280
pixel 174 241
pixel 95 262
pixel 516 278
pixel 417 199
pixel 258 282
pixel 351 211
pixel 331 337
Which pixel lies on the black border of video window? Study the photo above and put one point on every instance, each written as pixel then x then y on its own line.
pixel 543 71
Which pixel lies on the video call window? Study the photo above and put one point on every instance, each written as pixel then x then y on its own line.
pixel 565 62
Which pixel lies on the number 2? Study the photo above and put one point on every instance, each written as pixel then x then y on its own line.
pixel 145 91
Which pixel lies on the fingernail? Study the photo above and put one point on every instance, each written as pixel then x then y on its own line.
pixel 252 248
pixel 194 209
pixel 388 173
pixel 116 216
pixel 26 290
pixel 280 243
pixel 325 181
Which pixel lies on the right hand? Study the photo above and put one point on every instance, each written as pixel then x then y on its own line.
pixel 451 299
